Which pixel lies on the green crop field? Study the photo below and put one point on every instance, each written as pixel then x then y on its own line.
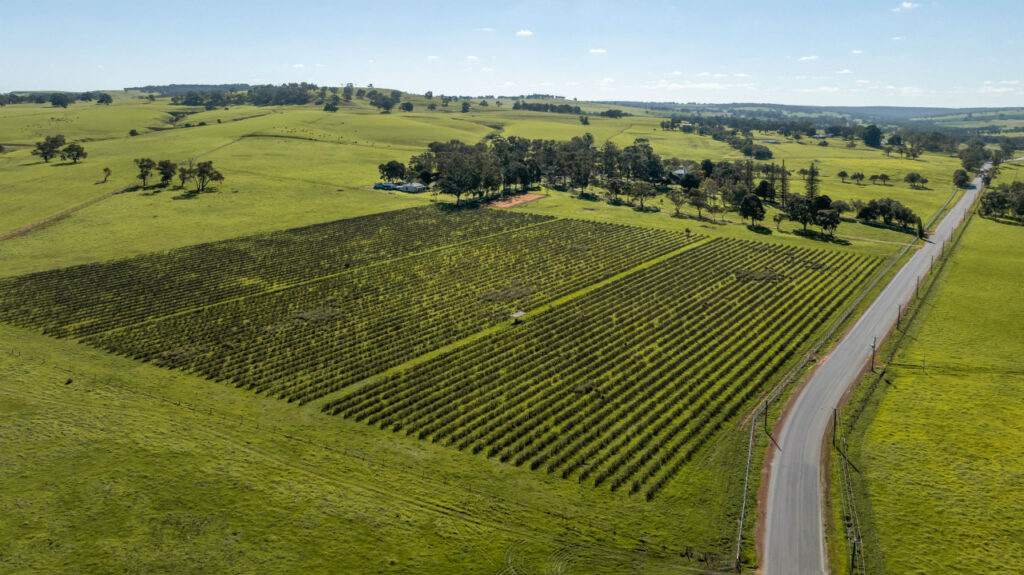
pixel 939 449
pixel 299 373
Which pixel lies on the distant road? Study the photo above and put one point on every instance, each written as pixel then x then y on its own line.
pixel 794 542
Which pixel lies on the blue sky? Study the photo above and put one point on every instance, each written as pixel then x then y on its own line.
pixel 836 52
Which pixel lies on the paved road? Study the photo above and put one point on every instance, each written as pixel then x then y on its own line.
pixel 794 537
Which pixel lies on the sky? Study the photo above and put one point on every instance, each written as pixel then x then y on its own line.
pixel 948 53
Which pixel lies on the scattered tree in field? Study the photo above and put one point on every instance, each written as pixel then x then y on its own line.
pixel 465 107
pixel 330 107
pixel 428 95
pixel 843 175
pixel 106 174
pixel 888 210
pixel 641 191
pixel 167 169
pixel 405 106
pixel 915 180
pixel 779 218
pixel 184 173
pixel 104 99
pixel 146 166
pixel 432 106
pixel 393 171
pixel 133 132
pixel 857 177
pixel 872 136
pixel 961 179
pixel 678 198
pixel 347 92
pixel 49 147
pixel 584 120
pixel 873 178
pixel 840 206
pixel 205 174
pixel 59 100
pixel 73 152
pixel 883 178
pixel 752 208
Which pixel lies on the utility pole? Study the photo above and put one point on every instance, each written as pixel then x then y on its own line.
pixel 766 418
pixel 899 314
pixel 874 341
pixel 917 292
pixel 834 419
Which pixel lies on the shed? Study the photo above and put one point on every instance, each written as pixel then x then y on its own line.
pixel 412 188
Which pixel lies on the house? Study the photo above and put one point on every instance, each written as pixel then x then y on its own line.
pixel 680 172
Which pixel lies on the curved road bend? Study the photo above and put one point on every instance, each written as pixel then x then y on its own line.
pixel 794 542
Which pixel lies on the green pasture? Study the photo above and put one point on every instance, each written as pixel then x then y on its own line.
pixel 939 446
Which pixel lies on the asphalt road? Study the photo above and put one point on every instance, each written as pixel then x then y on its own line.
pixel 794 542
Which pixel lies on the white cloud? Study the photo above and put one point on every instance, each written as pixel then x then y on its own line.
pixel 524 33
pixel 863 81
pixel 704 75
pixel 856 51
pixel 741 75
pixel 486 70
pixel 996 89
pixel 472 58
pixel 808 58
pixel 1010 82
pixel 675 73
pixel 298 65
pixel 898 38
pixel 509 84
pixel 607 81
pixel 433 57
pixel 906 6
pixel 598 51
pixel 845 71
pixel 821 89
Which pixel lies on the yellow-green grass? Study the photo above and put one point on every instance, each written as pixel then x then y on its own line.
pixel 30 123
pixel 939 447
pixel 1008 173
pixel 115 471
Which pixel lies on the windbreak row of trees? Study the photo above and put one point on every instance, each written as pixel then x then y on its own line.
pixel 56 99
pixel 53 146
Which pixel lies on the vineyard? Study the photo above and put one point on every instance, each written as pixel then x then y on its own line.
pixel 364 303
pixel 623 386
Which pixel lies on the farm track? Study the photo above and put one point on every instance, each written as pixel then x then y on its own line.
pixel 45 222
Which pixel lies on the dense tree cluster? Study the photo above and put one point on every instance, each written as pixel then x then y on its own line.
pixel 293 94
pixel 53 146
pixel 541 107
pixel 1005 201
pixel 888 209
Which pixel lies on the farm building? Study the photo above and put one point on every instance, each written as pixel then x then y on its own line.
pixel 412 188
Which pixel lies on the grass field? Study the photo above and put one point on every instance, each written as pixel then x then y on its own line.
pixel 938 448
pixel 135 468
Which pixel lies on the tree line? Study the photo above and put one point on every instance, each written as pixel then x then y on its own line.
pixel 56 99
pixel 1004 201
pixel 202 174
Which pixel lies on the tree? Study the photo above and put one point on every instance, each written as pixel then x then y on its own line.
pixel 763 190
pixel 584 120
pixel 405 106
pixel 146 166
pixel 873 178
pixel 813 182
pixel 104 99
pixel 330 107
pixel 166 169
pixel 49 147
pixel 393 171
pixel 698 198
pixel 915 180
pixel 465 108
pixel 428 95
pixel 106 174
pixel 347 92
pixel 640 191
pixel 204 174
pixel 73 152
pixel 752 208
pixel 829 220
pixel 872 136
pixel 184 173
pixel 707 166
pixel 843 175
pixel 799 210
pixel 784 185
pixel 857 177
pixel 884 178
pixel 678 198
pixel 59 100
pixel 779 218
pixel 961 179
pixel 133 132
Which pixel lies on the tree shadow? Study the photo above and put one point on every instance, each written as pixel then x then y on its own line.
pixel 759 229
pixel 821 237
